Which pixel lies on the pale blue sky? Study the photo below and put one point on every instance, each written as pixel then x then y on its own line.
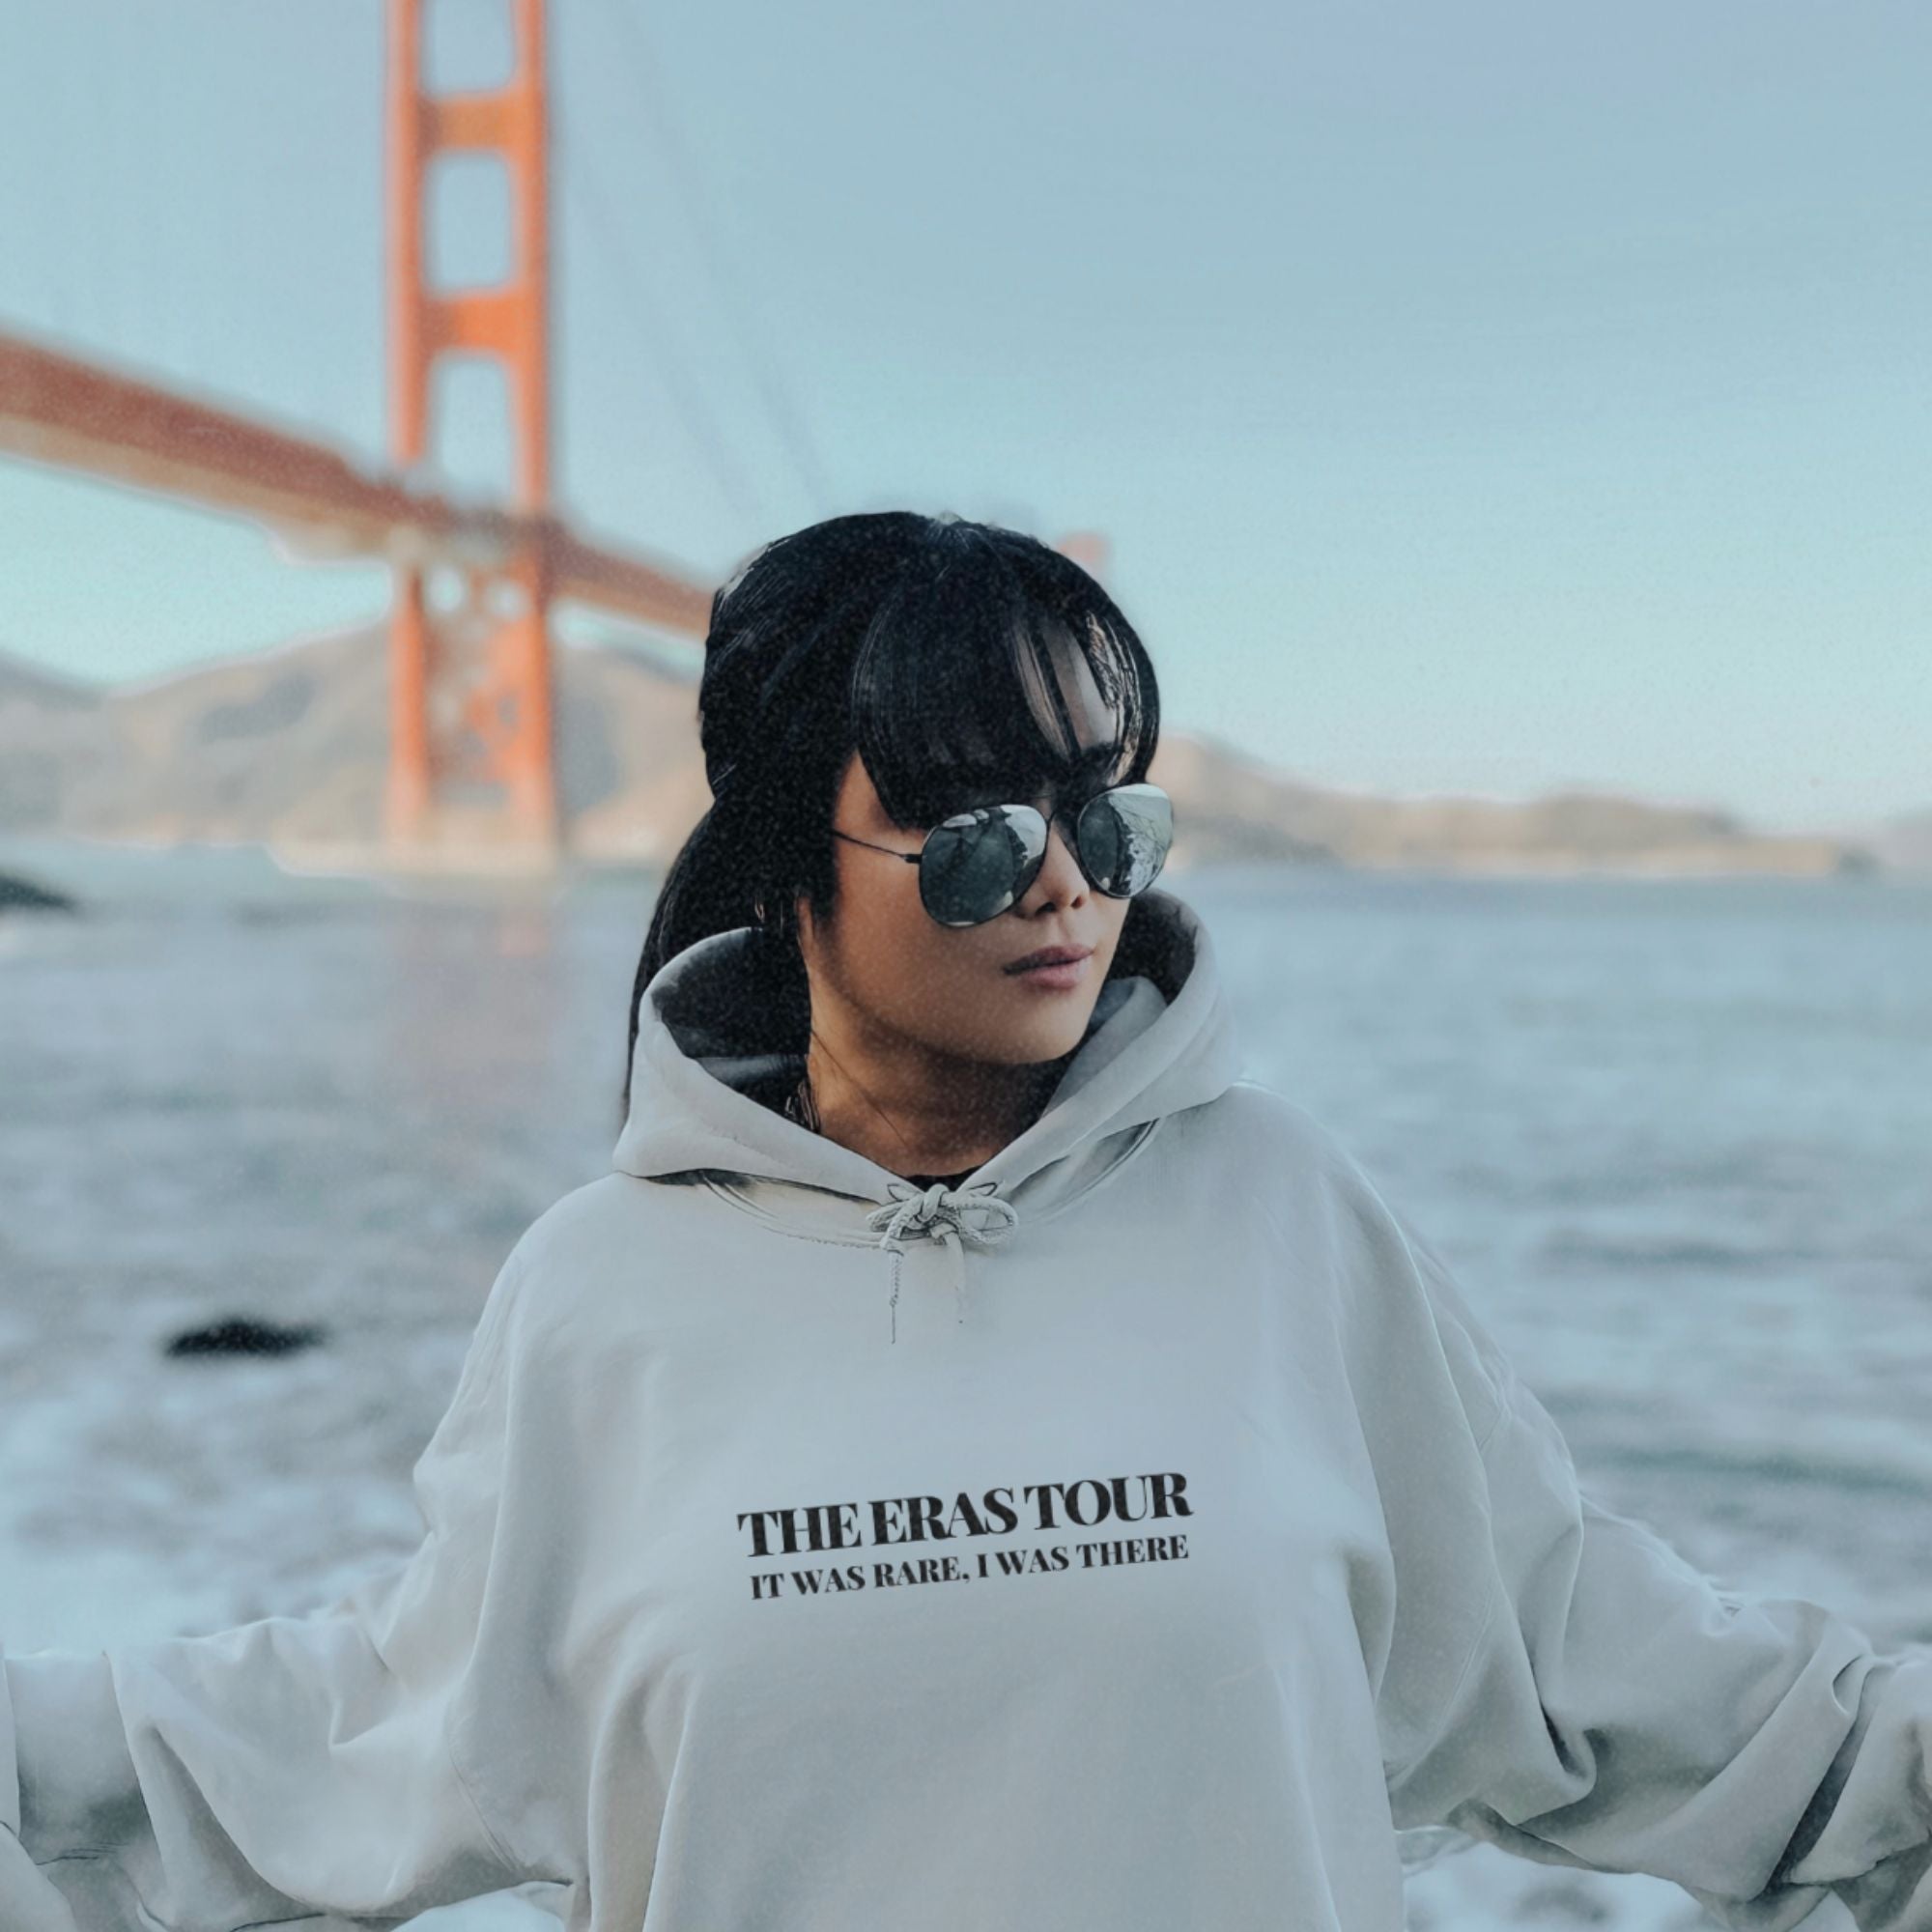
pixel 1482 397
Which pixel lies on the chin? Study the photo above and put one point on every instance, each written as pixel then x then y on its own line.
pixel 1057 1038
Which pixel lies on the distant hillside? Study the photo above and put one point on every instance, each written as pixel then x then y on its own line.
pixel 288 747
pixel 1562 833
pixel 34 684
pixel 51 734
pixel 1905 845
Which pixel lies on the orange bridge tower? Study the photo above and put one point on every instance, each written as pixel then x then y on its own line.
pixel 472 742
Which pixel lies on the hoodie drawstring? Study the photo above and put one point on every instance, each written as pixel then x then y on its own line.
pixel 945 1214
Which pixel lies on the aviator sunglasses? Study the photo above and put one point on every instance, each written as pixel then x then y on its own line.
pixel 975 864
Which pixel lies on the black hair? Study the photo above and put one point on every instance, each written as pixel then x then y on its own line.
pixel 954 657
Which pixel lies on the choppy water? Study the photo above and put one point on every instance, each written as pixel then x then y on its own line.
pixel 1676 1139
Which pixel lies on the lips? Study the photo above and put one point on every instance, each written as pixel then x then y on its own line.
pixel 1050 955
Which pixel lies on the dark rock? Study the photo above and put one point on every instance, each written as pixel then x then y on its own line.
pixel 244 1335
pixel 18 894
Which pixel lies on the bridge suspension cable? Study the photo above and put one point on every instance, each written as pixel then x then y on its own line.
pixel 700 219
pixel 583 190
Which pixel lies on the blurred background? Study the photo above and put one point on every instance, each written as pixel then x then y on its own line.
pixel 1510 430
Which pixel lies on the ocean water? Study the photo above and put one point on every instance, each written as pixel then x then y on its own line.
pixel 1675 1139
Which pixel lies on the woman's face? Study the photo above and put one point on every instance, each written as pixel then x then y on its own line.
pixel 945 988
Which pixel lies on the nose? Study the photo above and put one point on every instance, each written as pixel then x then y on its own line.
pixel 1060 879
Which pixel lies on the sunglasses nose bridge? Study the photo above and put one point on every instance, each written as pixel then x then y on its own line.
pixel 1070 814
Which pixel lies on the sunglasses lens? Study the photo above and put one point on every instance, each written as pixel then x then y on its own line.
pixel 978 864
pixel 1124 836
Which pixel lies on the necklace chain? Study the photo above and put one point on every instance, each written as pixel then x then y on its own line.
pixel 800 1106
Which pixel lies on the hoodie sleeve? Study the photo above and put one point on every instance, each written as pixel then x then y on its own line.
pixel 288 1770
pixel 1601 1703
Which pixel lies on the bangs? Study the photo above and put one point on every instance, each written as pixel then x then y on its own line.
pixel 979 685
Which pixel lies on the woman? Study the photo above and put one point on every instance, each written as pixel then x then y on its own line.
pixel 978 1460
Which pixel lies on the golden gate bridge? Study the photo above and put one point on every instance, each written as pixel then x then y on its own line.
pixel 463 724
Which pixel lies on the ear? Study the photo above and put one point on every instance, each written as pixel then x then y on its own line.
pixel 803 924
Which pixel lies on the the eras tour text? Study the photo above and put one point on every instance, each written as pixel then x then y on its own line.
pixel 1095 1502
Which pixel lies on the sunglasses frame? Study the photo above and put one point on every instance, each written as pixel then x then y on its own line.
pixel 1032 871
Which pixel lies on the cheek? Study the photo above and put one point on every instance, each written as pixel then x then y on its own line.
pixel 912 967
pixel 891 939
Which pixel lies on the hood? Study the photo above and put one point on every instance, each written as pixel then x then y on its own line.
pixel 1160 1039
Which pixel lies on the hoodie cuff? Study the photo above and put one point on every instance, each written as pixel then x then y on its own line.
pixel 68 1771
pixel 10 1761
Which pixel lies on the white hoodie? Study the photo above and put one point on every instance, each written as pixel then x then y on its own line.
pixel 1131 1540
